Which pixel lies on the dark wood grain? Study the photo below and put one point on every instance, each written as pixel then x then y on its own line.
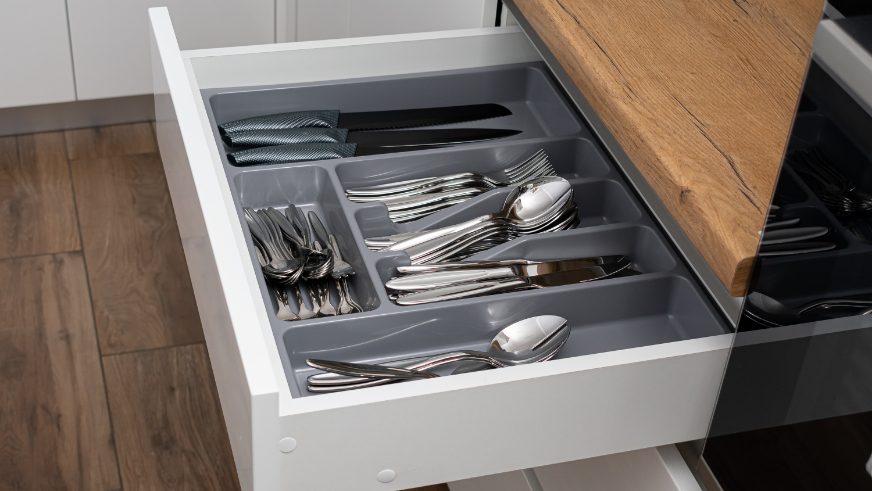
pixel 169 430
pixel 54 421
pixel 700 95
pixel 110 141
pixel 136 267
pixel 37 214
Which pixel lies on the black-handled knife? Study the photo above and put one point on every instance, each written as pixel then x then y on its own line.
pixel 371 120
pixel 372 143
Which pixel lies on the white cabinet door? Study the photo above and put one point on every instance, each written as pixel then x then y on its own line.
pixel 37 68
pixel 325 19
pixel 110 37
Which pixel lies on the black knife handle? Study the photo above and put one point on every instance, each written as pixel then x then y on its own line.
pixel 292 153
pixel 262 138
pixel 283 121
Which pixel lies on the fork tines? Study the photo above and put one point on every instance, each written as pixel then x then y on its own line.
pixel 416 198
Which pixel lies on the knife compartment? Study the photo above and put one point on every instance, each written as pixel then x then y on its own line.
pixel 658 305
pixel 537 107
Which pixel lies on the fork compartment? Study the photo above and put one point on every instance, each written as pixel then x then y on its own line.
pixel 661 304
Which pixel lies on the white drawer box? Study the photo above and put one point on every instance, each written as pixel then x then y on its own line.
pixel 437 430
pixel 649 469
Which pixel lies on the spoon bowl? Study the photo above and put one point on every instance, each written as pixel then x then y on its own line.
pixel 525 210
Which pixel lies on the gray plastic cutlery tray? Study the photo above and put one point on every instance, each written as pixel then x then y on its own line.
pixel 830 121
pixel 661 304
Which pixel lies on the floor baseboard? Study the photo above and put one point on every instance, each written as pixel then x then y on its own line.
pixel 78 114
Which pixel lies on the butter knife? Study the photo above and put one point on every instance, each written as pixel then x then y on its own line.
pixel 475 289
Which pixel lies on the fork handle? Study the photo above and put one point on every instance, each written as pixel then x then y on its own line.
pixel 437 279
pixel 455 292
pixel 408 185
pixel 426 236
pixel 431 198
pixel 367 370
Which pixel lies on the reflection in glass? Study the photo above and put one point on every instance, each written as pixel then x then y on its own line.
pixel 795 408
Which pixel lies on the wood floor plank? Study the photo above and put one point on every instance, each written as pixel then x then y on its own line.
pixel 55 431
pixel 136 268
pixel 110 141
pixel 170 431
pixel 37 214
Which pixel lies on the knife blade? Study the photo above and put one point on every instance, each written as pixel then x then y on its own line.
pixel 457 275
pixel 263 138
pixel 324 151
pixel 475 289
pixel 370 120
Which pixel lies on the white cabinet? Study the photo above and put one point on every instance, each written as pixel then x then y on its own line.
pixel 36 53
pixel 93 49
pixel 110 37
pixel 307 20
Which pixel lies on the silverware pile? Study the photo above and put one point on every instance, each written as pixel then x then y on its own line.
pixel 421 284
pixel 787 236
pixel 543 204
pixel 416 198
pixel 295 261
pixel 531 340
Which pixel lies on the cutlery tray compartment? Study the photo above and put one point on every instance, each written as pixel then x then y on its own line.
pixel 538 109
pixel 835 125
pixel 658 303
pixel 615 314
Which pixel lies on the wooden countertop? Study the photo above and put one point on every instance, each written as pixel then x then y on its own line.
pixel 700 94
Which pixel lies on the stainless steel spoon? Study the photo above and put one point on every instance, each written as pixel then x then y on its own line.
pixel 526 206
pixel 527 341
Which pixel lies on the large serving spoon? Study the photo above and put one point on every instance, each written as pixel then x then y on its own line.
pixel 525 207
pixel 527 341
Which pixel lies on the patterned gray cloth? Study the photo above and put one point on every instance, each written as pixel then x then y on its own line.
pixel 262 138
pixel 292 153
pixel 282 121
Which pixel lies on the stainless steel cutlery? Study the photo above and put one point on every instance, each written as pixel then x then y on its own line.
pixel 517 281
pixel 300 254
pixel 540 205
pixel 416 198
pixel 487 271
pixel 531 340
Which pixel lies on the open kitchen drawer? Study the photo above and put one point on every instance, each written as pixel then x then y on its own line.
pixel 644 361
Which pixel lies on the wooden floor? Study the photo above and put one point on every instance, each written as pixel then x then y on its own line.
pixel 104 375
